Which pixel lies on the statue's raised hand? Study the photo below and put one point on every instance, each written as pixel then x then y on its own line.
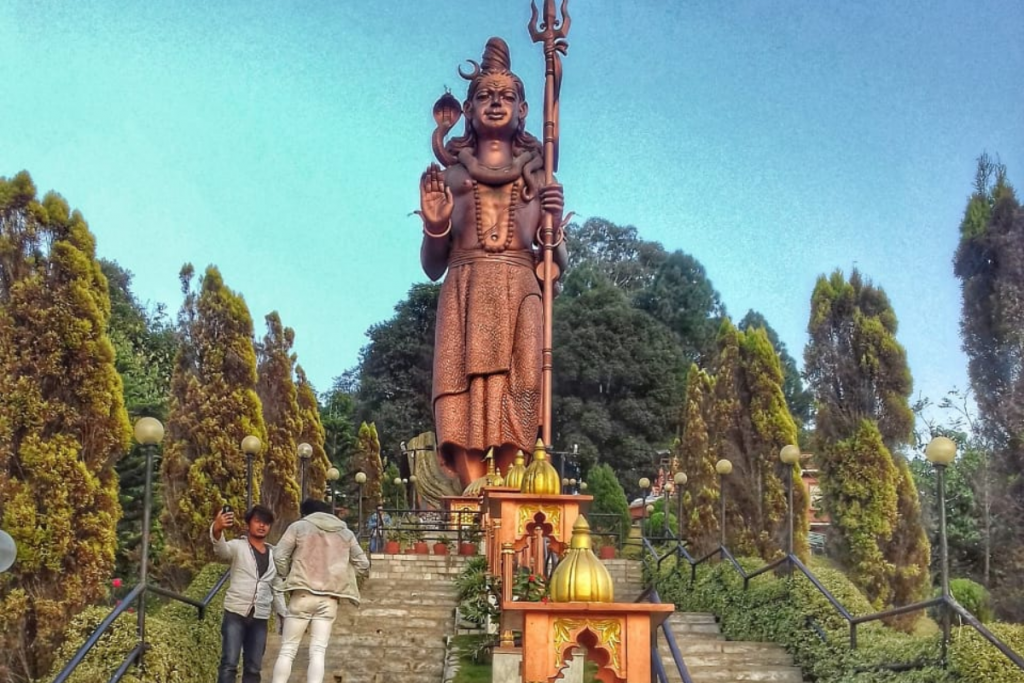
pixel 436 203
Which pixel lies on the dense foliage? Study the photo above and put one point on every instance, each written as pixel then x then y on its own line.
pixel 794 614
pixel 858 373
pixel 182 649
pixel 213 407
pixel 63 424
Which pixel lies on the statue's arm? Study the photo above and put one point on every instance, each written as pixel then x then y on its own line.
pixel 552 200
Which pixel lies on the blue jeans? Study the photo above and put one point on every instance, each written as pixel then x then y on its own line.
pixel 245 636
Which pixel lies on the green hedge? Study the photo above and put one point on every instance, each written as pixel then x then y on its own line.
pixel 794 614
pixel 183 648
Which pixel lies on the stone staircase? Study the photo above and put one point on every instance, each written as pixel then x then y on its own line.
pixel 709 657
pixel 397 634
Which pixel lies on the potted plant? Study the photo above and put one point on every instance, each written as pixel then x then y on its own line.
pixel 606 549
pixel 394 538
pixel 443 546
pixel 470 541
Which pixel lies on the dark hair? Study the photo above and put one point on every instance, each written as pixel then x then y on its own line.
pixel 263 513
pixel 311 505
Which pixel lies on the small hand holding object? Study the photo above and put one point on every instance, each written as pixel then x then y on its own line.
pixel 224 519
pixel 436 203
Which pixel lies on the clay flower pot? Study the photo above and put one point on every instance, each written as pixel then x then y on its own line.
pixel 391 548
pixel 606 552
pixel 420 548
pixel 467 548
pixel 440 549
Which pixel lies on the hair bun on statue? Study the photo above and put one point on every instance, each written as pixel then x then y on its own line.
pixel 496 56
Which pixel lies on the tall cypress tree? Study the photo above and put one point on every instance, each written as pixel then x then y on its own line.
pixel 859 375
pixel 274 368
pixel 697 454
pixel 63 424
pixel 367 460
pixel 213 407
pixel 750 423
pixel 989 263
pixel 313 433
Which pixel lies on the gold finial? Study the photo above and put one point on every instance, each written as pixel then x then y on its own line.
pixel 540 477
pixel 514 476
pixel 492 478
pixel 580 576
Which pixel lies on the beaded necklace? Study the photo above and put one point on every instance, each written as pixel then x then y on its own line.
pixel 496 242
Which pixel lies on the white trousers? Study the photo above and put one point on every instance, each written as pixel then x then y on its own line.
pixel 318 612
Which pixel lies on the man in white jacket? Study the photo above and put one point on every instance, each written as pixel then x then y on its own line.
pixel 318 557
pixel 248 599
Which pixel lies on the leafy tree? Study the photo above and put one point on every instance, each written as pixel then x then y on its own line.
pixel 395 369
pixel 338 417
pixel 989 263
pixel 275 365
pixel 798 399
pixel 394 495
pixel 602 251
pixel 144 347
pixel 214 405
pixel 312 433
pixel 619 380
pixel 681 296
pixel 609 499
pixel 858 373
pixel 63 424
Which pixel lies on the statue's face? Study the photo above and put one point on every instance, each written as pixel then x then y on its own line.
pixel 495 107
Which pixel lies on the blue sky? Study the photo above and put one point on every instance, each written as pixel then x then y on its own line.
pixel 283 142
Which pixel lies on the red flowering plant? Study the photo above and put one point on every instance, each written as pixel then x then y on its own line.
pixel 529 587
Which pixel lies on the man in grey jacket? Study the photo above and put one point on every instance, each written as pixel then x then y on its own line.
pixel 318 557
pixel 248 599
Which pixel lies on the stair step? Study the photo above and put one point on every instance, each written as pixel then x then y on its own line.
pixel 776 674
pixel 725 660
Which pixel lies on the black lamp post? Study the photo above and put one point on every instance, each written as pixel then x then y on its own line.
pixel 332 476
pixel 305 452
pixel 941 452
pixel 680 481
pixel 149 433
pixel 645 486
pixel 724 468
pixel 251 445
pixel 360 480
pixel 790 456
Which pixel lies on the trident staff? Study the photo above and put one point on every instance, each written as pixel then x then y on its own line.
pixel 552 33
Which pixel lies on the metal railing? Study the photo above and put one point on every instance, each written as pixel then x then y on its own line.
pixel 446 526
pixel 135 655
pixel 651 594
pixel 946 601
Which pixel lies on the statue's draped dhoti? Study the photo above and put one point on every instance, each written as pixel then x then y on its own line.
pixel 487 352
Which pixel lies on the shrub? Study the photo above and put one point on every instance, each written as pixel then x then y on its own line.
pixel 979 662
pixel 973 597
pixel 183 649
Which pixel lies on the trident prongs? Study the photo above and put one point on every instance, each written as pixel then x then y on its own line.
pixel 550 31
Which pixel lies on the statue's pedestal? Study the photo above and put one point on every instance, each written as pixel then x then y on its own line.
pixel 616 635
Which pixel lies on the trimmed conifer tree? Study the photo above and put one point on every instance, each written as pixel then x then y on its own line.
pixel 697 457
pixel 214 406
pixel 609 499
pixel 313 433
pixel 275 364
pixel 367 460
pixel 861 382
pixel 63 425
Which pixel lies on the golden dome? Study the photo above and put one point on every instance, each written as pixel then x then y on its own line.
pixel 540 477
pixel 580 576
pixel 514 476
pixel 492 478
